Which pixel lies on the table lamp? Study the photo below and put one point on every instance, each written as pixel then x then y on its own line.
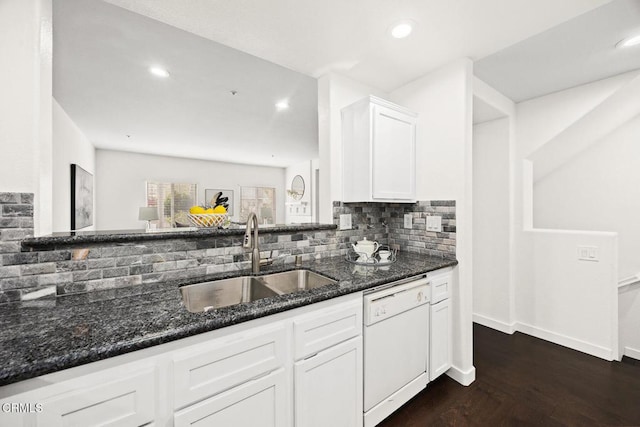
pixel 148 214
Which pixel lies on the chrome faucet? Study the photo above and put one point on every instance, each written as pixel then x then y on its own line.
pixel 252 220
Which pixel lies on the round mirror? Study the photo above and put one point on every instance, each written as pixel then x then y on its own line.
pixel 297 188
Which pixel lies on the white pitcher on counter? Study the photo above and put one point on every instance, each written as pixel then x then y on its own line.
pixel 366 247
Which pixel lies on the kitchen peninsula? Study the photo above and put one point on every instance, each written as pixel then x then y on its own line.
pixel 106 308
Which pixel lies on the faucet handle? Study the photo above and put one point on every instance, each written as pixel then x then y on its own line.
pixel 268 260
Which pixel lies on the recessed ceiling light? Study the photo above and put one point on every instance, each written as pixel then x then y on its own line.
pixel 628 42
pixel 160 72
pixel 282 105
pixel 402 29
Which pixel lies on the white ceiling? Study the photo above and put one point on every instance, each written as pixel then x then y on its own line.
pixel 350 36
pixel 101 55
pixel 101 79
pixel 579 51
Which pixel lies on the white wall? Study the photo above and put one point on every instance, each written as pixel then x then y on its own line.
pixel 443 100
pixel 629 318
pixel 541 119
pixel 545 205
pixel 334 93
pixel 598 190
pixel 492 297
pixel 572 302
pixel 493 213
pixel 70 145
pixel 315 190
pixel 25 104
pixel 121 177
pixel 299 211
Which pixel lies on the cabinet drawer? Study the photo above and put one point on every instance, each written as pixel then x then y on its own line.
pixel 128 401
pixel 203 370
pixel 440 286
pixel 322 329
pixel 261 403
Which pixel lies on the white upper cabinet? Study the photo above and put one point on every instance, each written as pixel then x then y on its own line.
pixel 379 145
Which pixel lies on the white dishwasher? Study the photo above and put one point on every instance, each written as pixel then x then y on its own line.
pixel 396 346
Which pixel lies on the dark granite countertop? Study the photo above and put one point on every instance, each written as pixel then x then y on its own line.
pixel 45 336
pixel 122 236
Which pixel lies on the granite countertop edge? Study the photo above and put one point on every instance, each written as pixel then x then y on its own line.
pixel 126 236
pixel 32 357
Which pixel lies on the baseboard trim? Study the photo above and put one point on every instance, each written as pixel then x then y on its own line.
pixel 498 325
pixel 566 341
pixel 463 377
pixel 632 353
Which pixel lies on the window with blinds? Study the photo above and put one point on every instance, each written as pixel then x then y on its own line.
pixel 261 200
pixel 172 201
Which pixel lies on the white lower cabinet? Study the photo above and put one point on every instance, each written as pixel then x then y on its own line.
pixel 328 387
pixel 126 401
pixel 242 376
pixel 302 367
pixel 261 402
pixel 440 339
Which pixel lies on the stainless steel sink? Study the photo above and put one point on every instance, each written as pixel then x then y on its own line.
pixel 224 292
pixel 221 293
pixel 296 280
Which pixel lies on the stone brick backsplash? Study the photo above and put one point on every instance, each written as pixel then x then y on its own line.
pixel 384 222
pixel 16 223
pixel 82 268
pixel 418 239
pixel 87 267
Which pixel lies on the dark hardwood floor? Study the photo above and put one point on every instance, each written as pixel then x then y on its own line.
pixel 524 381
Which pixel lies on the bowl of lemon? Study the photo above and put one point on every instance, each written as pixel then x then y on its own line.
pixel 208 217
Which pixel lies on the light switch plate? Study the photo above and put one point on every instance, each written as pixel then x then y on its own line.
pixel 408 221
pixel 345 222
pixel 588 253
pixel 434 223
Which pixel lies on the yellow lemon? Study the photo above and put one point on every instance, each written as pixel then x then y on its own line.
pixel 196 210
pixel 219 210
pixel 210 211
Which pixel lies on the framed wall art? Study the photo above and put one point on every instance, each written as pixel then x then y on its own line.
pixel 81 198
pixel 210 197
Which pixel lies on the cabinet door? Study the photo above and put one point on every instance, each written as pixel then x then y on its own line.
pixel 206 369
pixel 393 152
pixel 261 402
pixel 127 401
pixel 328 387
pixel 440 349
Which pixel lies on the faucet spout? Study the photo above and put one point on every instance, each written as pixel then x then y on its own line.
pixel 252 242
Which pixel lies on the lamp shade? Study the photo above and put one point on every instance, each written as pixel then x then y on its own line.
pixel 148 214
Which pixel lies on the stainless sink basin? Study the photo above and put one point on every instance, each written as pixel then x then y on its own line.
pixel 224 292
pixel 296 280
pixel 221 293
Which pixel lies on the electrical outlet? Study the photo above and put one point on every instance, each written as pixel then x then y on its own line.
pixel 434 223
pixel 408 221
pixel 345 222
pixel 588 253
